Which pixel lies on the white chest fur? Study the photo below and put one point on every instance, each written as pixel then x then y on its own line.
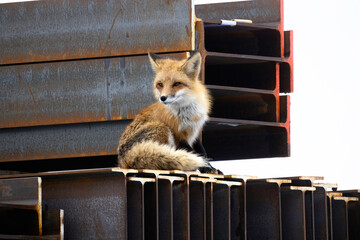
pixel 191 117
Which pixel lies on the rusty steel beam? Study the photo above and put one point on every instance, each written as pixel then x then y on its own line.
pixel 27 237
pixel 230 68
pixel 243 39
pixel 101 138
pixel 354 219
pixel 53 223
pixel 297 212
pixel 141 204
pixel 244 104
pixel 341 216
pixel 60 141
pixel 244 139
pixel 159 204
pixel 354 213
pixel 228 211
pixel 263 208
pixel 352 205
pixel 21 206
pixel 259 11
pixel 101 89
pixel 287 66
pixel 142 208
pixel 75 91
pixel 197 193
pixel 61 30
pixel 246 43
pixel 173 217
pixel 94 202
pixel 316 206
pixel 321 214
pixel 238 206
pixel 213 203
pixel 22 193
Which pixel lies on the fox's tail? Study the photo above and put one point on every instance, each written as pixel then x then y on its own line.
pixel 152 155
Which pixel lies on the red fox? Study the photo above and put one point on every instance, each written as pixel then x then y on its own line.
pixel 164 135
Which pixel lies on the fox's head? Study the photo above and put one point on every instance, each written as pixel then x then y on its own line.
pixel 177 81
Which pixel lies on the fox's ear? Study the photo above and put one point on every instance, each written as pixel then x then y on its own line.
pixel 153 58
pixel 192 66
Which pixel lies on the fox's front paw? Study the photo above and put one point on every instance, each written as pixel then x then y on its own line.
pixel 211 170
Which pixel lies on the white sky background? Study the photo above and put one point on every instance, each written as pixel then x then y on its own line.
pixel 325 111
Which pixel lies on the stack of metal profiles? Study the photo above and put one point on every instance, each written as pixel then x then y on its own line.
pixel 74 73
pixel 116 203
pixel 247 66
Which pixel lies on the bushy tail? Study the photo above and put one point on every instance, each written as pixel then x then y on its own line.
pixel 152 155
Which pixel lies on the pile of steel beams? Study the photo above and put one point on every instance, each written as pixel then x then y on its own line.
pixel 117 203
pixel 246 67
pixel 73 75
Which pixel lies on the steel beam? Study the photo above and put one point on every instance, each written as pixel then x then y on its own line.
pixel 94 202
pixel 259 11
pixel 60 141
pixel 182 205
pixel 61 30
pixel 142 208
pixel 21 206
pixel 321 214
pixel 297 212
pixel 354 213
pixel 197 193
pixel 75 91
pixel 53 223
pixel 263 208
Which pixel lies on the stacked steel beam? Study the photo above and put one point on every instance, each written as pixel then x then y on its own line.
pixel 247 66
pixel 74 74
pixel 128 204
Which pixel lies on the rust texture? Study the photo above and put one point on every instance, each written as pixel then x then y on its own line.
pixel 75 91
pixel 60 30
pixel 60 141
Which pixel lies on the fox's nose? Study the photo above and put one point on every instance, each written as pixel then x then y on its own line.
pixel 163 98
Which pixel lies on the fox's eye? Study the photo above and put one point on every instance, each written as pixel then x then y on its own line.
pixel 177 84
pixel 160 84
